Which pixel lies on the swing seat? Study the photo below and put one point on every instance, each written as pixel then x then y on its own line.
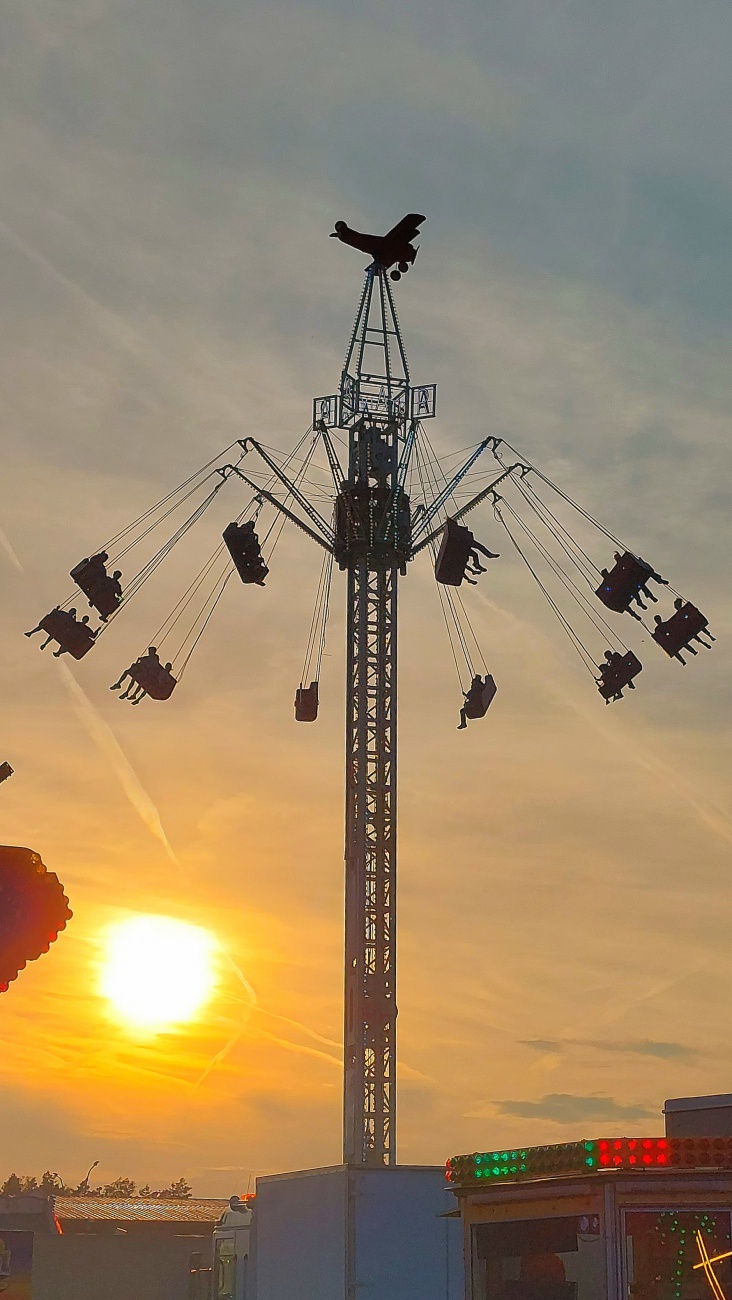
pixel 618 674
pixel 5 771
pixel 453 554
pixel 98 587
pixel 243 546
pixel 156 681
pixel 478 703
pixel 623 583
pixel 680 629
pixel 72 635
pixel 306 703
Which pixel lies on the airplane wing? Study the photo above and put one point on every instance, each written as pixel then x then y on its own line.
pixel 407 228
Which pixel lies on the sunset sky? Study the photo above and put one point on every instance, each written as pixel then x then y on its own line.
pixel 169 173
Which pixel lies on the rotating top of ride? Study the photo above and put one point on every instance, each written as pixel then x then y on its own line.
pixel 365 483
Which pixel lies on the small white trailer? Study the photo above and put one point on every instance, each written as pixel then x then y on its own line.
pixel 347 1233
pixel 232 1279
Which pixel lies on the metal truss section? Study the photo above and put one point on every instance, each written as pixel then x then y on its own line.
pixel 369 1122
pixel 375 379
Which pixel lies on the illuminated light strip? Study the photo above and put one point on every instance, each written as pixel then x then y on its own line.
pixel 706 1264
pixel 560 1158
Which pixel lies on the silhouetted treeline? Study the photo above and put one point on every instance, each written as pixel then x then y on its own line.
pixel 54 1184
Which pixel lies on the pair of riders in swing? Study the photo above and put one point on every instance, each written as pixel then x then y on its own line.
pixel 104 593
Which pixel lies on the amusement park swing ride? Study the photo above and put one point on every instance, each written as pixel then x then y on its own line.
pixel 365 485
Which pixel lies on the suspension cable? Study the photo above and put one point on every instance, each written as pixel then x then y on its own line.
pixel 156 522
pixel 576 641
pixel 178 610
pixel 151 509
pixel 148 569
pixel 318 622
pixel 447 604
pixel 573 590
pixel 571 548
pixel 324 621
pixel 224 583
pixel 580 509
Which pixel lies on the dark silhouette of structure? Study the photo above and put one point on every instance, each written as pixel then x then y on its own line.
pixel 33 910
pixel 395 247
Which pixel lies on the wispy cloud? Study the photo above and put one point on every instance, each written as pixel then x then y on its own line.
pixel 566 1108
pixel 626 1047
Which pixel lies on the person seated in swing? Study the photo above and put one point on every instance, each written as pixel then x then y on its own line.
pixel 149 660
pixel 477 699
pixel 652 575
pixel 616 673
pixel 458 555
pixel 474 564
pixel 77 624
pixel 114 585
pixel 145 668
pixel 625 583
pixel 123 677
pixel 244 548
pixel 56 617
pixel 608 671
pixel 103 590
pixel 72 634
pixel 144 689
pixel 685 625
pixel 691 612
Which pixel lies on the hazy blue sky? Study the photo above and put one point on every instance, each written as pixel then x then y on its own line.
pixel 169 173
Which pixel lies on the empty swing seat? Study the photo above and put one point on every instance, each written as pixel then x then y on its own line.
pixel 477 703
pixel 454 553
pixel 618 674
pixel 75 637
pixel 243 546
pixel 100 589
pixel 683 626
pixel 306 703
pixel 623 582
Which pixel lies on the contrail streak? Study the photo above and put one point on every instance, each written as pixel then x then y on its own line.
pixel 301 1047
pixel 274 1015
pixel 5 544
pixel 406 1071
pixel 116 327
pixel 218 1058
pixel 105 739
pixel 254 1005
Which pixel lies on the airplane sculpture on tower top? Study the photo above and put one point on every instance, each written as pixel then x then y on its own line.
pixel 395 247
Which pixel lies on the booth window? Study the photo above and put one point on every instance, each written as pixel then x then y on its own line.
pixel 539 1259
pixel 677 1255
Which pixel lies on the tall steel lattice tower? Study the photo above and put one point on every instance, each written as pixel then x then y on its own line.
pixel 373 542
pixel 373 535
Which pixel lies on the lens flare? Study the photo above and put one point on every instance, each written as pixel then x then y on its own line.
pixel 157 972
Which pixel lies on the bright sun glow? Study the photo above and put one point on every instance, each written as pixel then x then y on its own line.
pixel 156 971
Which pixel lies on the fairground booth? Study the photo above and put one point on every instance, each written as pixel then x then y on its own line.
pixel 608 1218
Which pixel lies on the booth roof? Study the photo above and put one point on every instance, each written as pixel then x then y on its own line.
pixel 138 1209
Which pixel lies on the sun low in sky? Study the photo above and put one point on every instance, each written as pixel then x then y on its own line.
pixel 157 972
